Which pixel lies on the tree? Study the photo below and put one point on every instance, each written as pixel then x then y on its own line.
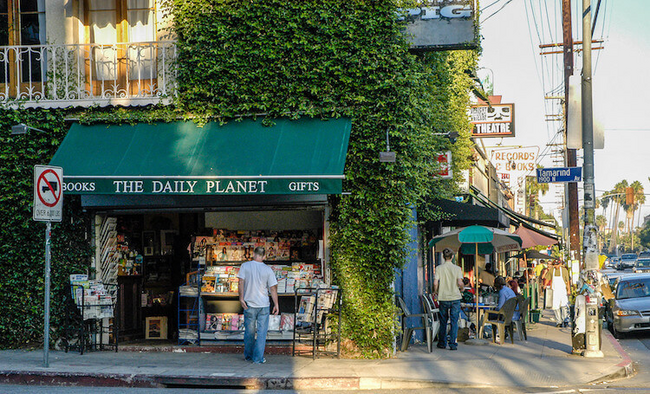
pixel 639 200
pixel 533 188
pixel 618 196
pixel 601 222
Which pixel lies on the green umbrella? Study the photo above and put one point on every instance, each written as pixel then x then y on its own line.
pixel 477 240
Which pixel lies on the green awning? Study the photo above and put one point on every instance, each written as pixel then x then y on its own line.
pixel 305 156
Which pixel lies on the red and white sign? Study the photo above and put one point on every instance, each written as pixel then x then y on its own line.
pixel 444 159
pixel 48 194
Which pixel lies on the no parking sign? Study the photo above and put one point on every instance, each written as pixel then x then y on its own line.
pixel 48 194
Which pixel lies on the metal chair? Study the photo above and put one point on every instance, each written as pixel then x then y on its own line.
pixel 520 325
pixel 501 320
pixel 434 315
pixel 407 331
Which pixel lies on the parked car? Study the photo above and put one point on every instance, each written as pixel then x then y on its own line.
pixel 645 253
pixel 627 261
pixel 642 265
pixel 629 310
pixel 612 277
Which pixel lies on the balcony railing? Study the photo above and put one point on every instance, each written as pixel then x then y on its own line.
pixel 59 76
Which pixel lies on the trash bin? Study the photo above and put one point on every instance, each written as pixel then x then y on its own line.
pixel 534 315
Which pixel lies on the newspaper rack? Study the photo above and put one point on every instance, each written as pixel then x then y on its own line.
pixel 315 309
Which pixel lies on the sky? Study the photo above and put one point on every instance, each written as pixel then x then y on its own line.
pixel 511 54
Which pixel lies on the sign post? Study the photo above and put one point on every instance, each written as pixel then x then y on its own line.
pixel 48 207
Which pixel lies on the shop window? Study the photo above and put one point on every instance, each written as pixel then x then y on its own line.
pixel 22 23
pixel 123 38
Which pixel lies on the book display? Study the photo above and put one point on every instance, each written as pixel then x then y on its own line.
pixel 210 302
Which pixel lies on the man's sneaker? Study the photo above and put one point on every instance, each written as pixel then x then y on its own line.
pixel 453 347
pixel 441 346
pixel 261 362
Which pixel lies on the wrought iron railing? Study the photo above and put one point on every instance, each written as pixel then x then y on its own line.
pixel 58 76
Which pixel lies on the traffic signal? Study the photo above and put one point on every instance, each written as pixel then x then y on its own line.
pixel 629 196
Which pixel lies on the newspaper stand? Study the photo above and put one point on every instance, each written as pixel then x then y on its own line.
pixel 190 310
pixel 91 320
pixel 312 333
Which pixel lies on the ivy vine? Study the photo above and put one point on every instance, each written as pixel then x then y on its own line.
pixel 22 241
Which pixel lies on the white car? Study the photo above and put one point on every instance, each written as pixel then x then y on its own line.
pixel 629 310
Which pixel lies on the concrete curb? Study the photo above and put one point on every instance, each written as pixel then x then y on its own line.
pixel 626 366
pixel 36 378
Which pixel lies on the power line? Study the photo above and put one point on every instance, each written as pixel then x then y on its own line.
pixel 489 5
pixel 497 11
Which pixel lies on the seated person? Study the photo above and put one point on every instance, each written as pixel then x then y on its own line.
pixel 505 293
pixel 468 292
pixel 514 285
pixel 468 285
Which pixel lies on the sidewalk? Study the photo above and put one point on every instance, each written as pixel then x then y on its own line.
pixel 545 360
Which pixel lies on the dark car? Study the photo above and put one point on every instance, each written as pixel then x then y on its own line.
pixel 627 261
pixel 642 265
pixel 629 310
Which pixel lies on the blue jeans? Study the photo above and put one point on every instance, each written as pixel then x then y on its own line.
pixel 448 310
pixel 255 319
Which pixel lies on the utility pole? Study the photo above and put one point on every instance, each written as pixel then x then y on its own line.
pixel 571 156
pixel 590 235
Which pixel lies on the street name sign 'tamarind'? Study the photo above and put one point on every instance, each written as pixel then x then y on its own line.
pixel 560 174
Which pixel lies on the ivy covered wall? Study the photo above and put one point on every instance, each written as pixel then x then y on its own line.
pixel 22 241
pixel 327 59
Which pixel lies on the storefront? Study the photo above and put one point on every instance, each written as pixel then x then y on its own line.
pixel 173 199
pixel 459 214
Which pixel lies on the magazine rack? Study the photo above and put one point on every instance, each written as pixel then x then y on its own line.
pixel 190 310
pixel 313 310
pixel 91 322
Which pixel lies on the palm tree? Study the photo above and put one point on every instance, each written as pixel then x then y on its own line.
pixel 601 222
pixel 618 196
pixel 637 202
pixel 533 188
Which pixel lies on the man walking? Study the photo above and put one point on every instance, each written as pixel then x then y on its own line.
pixel 447 288
pixel 256 280
pixel 559 280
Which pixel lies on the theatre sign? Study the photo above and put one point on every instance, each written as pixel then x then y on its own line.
pixel 496 120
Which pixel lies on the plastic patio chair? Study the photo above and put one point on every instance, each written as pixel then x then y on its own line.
pixel 501 320
pixel 520 325
pixel 407 331
pixel 434 315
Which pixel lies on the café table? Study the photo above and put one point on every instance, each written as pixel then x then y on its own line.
pixel 470 310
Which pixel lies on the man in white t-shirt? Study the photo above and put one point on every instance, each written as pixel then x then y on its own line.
pixel 256 280
pixel 447 287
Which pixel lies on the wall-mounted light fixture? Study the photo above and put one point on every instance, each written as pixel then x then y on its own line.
pixel 452 135
pixel 22 128
pixel 388 156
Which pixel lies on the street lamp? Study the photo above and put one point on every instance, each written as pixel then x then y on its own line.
pixel 21 128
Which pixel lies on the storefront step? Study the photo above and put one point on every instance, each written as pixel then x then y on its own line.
pixel 283 348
